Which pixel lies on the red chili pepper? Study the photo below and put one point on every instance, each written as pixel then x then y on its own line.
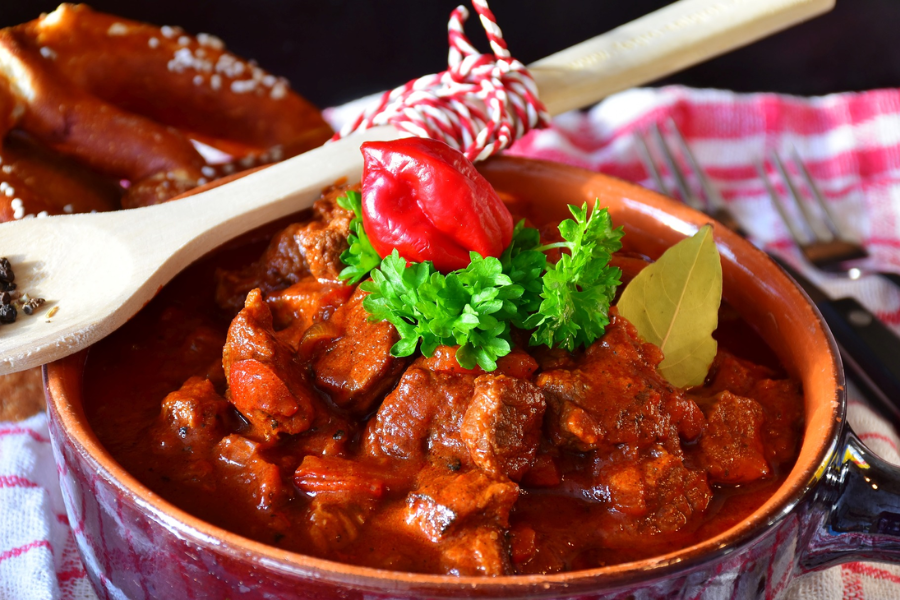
pixel 429 202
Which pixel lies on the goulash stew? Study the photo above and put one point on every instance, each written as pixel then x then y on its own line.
pixel 374 424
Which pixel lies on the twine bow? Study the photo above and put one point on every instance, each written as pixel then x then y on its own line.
pixel 480 105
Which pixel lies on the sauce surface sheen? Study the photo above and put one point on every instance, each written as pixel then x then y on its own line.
pixel 312 438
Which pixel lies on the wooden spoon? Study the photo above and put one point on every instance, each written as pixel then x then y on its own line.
pixel 97 270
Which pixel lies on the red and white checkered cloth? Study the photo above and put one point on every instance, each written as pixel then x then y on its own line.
pixel 849 142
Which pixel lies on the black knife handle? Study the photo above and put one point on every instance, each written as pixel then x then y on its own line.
pixel 867 346
pixel 892 277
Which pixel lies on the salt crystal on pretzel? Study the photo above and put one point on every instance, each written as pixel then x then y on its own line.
pixel 84 93
pixel 37 180
pixel 126 99
pixel 158 82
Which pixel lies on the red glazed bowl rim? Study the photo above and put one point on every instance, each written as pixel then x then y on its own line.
pixel 63 384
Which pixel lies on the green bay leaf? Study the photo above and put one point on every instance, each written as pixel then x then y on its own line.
pixel 674 304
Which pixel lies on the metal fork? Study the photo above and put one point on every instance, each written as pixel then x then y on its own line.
pixel 830 249
pixel 870 351
pixel 824 249
pixel 714 205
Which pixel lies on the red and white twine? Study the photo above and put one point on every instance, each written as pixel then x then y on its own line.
pixel 480 105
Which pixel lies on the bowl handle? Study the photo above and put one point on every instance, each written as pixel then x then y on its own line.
pixel 856 510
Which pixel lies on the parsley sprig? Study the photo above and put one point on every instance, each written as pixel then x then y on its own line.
pixel 578 290
pixel 523 263
pixel 566 304
pixel 360 257
pixel 471 307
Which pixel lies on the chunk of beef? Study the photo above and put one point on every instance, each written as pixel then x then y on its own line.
pixel 194 414
pixel 266 382
pixel 551 359
pixel 330 435
pixel 444 502
pixel 301 249
pixel 334 523
pixel 657 492
pixel 477 551
pixel 732 444
pixel 248 476
pixel 502 426
pixel 345 494
pixel 686 416
pixel 318 245
pixel 357 369
pixel 191 423
pixel 517 363
pixel 296 308
pixel 422 417
pixel 677 493
pixel 734 374
pixel 306 302
pixel 615 395
pixel 782 403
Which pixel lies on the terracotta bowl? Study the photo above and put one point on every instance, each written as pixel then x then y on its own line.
pixel 137 545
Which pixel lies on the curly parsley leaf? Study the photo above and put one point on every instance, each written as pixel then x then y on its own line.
pixel 524 264
pixel 469 307
pixel 578 290
pixel 360 257
pixel 567 304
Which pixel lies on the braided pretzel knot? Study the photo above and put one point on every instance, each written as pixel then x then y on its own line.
pixel 480 105
pixel 126 100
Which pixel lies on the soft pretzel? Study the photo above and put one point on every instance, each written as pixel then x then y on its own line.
pixel 99 112
pixel 125 98
pixel 177 79
pixel 38 182
pixel 72 121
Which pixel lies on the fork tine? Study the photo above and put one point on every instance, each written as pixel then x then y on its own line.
pixel 776 201
pixel 794 193
pixel 686 195
pixel 646 158
pixel 830 221
pixel 713 198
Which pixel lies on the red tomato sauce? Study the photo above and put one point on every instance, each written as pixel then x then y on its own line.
pixel 254 393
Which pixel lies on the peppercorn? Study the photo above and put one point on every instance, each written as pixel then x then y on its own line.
pixel 5 298
pixel 8 314
pixel 32 305
pixel 6 271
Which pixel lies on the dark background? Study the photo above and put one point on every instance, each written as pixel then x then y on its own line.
pixel 336 50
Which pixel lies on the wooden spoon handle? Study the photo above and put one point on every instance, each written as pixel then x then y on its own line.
pixel 98 270
pixel 198 223
pixel 663 42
